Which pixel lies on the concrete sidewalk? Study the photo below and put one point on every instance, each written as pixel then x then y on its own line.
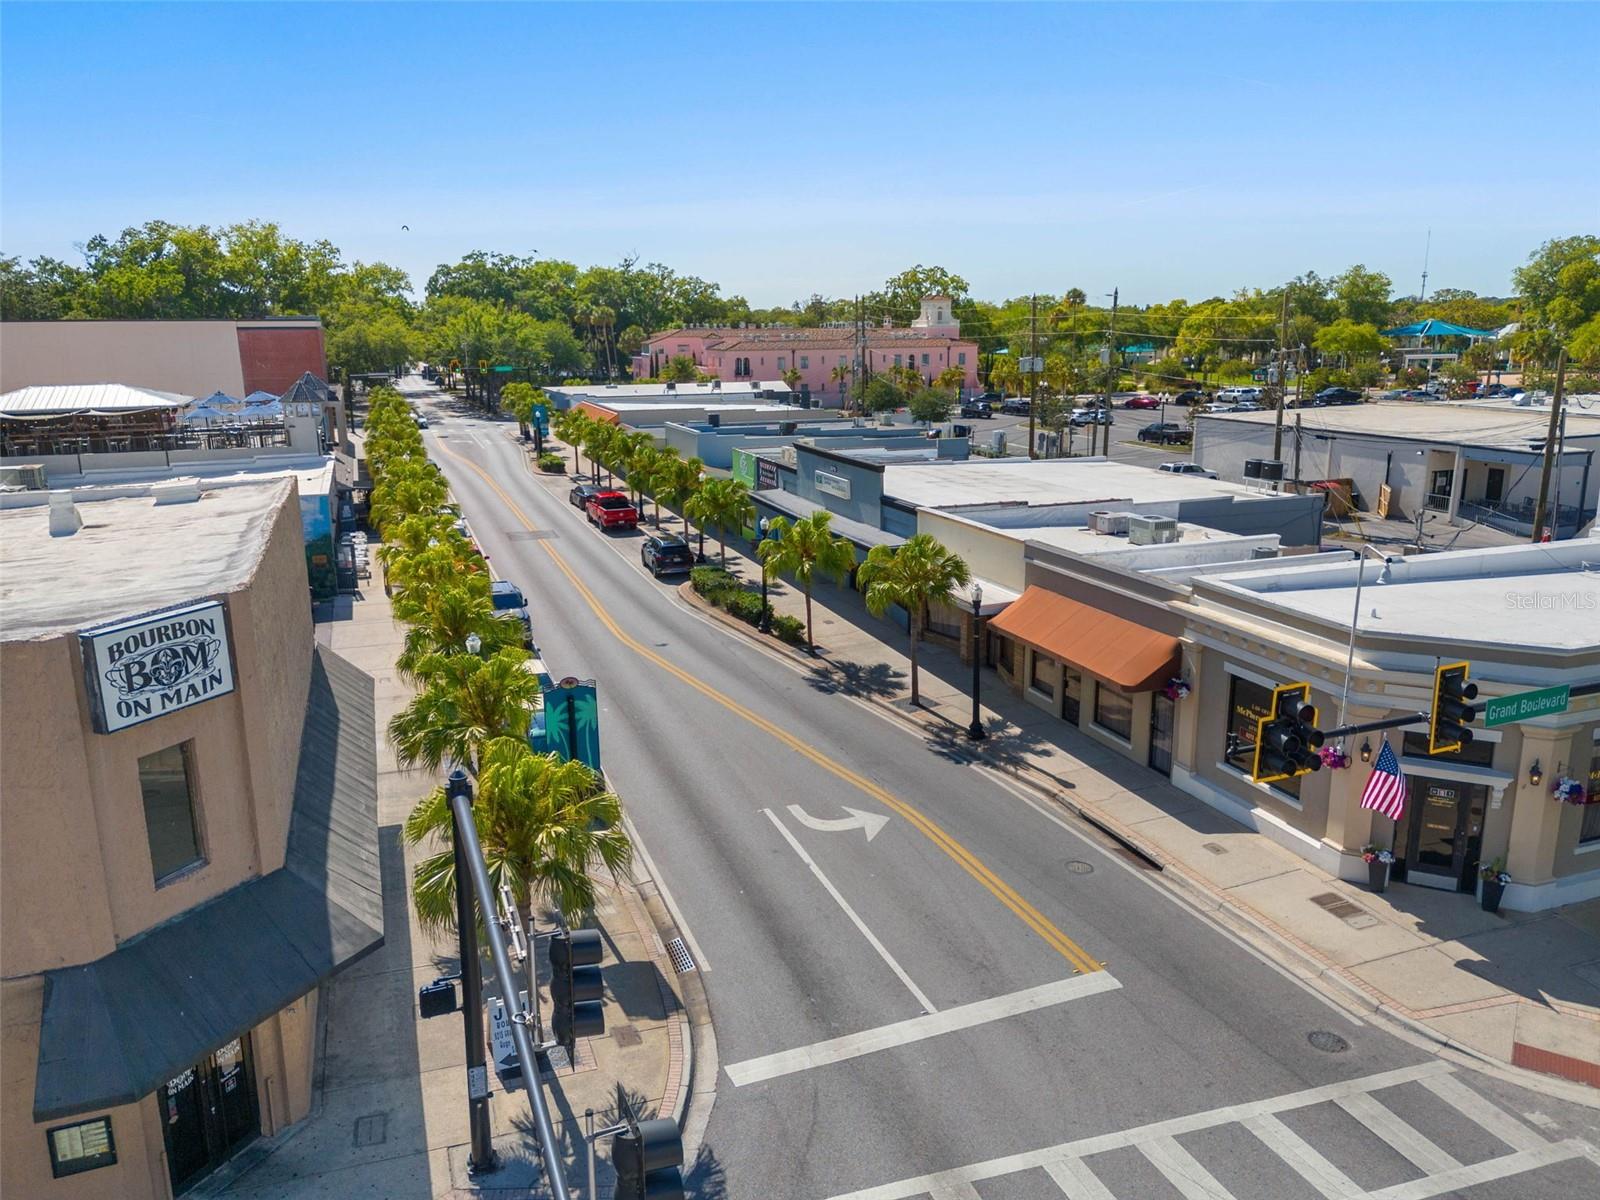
pixel 1509 989
pixel 390 1114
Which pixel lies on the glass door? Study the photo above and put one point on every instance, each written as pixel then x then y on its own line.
pixel 234 1088
pixel 209 1112
pixel 1161 715
pixel 1446 827
pixel 183 1117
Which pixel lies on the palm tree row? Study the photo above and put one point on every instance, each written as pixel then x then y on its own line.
pixel 544 824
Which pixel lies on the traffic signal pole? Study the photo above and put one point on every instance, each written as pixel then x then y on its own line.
pixel 477 873
pixel 481 1155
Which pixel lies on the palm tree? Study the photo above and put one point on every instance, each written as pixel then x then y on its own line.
pixel 647 473
pixel 543 824
pixel 915 574
pixel 634 449
pixel 466 704
pixel 412 535
pixel 840 375
pixel 569 427
pixel 679 481
pixel 445 564
pixel 805 548
pixel 724 503
pixel 951 379
pixel 443 618
pixel 1003 374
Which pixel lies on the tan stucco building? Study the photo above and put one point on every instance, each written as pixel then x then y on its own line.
pixel 187 835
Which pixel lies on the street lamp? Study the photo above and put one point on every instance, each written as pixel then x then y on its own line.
pixel 474 644
pixel 766 609
pixel 1355 616
pixel 976 731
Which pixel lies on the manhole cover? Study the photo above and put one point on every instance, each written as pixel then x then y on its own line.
pixel 1079 867
pixel 1327 1041
pixel 372 1129
pixel 626 1035
pixel 1213 847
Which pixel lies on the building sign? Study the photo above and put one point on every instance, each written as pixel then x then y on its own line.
pixel 1524 706
pixel 834 485
pixel 507 1063
pixel 156 664
pixel 766 475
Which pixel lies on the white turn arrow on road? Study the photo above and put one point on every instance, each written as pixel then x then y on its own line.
pixel 871 822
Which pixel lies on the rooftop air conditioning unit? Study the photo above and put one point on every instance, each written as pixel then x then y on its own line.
pixel 1264 552
pixel 788 428
pixel 1271 470
pixel 1150 531
pixel 1252 468
pixel 716 385
pixel 714 420
pixel 1109 522
pixel 671 386
pixel 29 476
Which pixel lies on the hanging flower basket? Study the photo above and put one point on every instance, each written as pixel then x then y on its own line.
pixel 1568 790
pixel 1177 688
pixel 1335 758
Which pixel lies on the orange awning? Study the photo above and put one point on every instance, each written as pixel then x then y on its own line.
pixel 1134 658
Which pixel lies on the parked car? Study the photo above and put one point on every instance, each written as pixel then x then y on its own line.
pixel 1236 395
pixel 1248 406
pixel 422 421
pixel 1142 401
pixel 1212 407
pixel 1417 394
pixel 510 604
pixel 582 493
pixel 976 408
pixel 1497 389
pixel 1193 396
pixel 1165 433
pixel 992 397
pixel 612 510
pixel 1016 406
pixel 1338 395
pixel 1089 416
pixel 665 552
pixel 1186 468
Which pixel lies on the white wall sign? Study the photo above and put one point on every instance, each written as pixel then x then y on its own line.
pixel 834 485
pixel 156 664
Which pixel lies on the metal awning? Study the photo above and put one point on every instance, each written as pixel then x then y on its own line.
pixel 116 1029
pixel 859 533
pixel 1132 657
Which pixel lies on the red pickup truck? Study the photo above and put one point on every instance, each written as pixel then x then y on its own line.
pixel 612 510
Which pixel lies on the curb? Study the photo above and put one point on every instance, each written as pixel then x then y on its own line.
pixel 1305 962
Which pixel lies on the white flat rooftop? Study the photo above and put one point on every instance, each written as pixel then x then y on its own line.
pixel 1046 481
pixel 1455 424
pixel 1539 597
pixel 660 393
pixel 647 406
pixel 1080 540
pixel 131 555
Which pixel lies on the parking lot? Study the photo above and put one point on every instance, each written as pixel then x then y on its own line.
pixel 1125 426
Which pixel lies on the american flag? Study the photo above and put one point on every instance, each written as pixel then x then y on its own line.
pixel 1386 787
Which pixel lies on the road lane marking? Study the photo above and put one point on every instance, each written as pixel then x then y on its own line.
pixel 1002 891
pixel 1074 1177
pixel 870 822
pixel 1401 1137
pixel 1183 1170
pixel 855 918
pixel 1475 1108
pixel 1315 1169
pixel 916 1029
pixel 1487 1171
pixel 1173 1127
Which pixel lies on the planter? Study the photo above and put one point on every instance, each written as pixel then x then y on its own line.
pixel 1377 875
pixel 1493 889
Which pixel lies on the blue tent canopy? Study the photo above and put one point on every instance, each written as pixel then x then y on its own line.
pixel 222 400
pixel 272 408
pixel 260 398
pixel 1435 328
pixel 205 414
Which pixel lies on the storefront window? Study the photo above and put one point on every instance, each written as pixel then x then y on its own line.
pixel 1113 711
pixel 169 811
pixel 1043 676
pixel 1005 653
pixel 1072 698
pixel 1248 703
pixel 1589 831
pixel 1476 754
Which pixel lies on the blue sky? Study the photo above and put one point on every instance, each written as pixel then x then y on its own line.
pixel 782 149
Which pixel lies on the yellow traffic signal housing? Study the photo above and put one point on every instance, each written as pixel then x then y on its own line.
pixel 1452 710
pixel 1287 736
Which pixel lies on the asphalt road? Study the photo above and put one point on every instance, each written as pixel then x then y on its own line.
pixel 951 1006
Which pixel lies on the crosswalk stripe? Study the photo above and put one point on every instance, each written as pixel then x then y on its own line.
pixel 1073 1176
pixel 960 1190
pixel 1402 1138
pixel 1183 1170
pixel 1475 1108
pixel 1316 1170
pixel 1488 1171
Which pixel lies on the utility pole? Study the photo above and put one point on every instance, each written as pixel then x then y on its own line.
pixel 1033 375
pixel 1539 512
pixel 1296 477
pixel 1111 359
pixel 1283 380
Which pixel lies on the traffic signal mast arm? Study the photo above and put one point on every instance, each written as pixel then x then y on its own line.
pixel 1421 718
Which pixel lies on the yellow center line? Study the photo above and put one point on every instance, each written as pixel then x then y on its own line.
pixel 1002 891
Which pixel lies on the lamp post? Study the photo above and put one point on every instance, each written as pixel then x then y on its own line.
pixel 481 1156
pixel 766 609
pixel 976 731
pixel 1355 617
pixel 474 644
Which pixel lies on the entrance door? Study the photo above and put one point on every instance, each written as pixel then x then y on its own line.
pixel 208 1113
pixel 1161 719
pixel 1446 833
pixel 1494 489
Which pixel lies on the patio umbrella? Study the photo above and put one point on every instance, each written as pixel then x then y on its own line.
pixel 221 400
pixel 259 412
pixel 259 397
pixel 204 414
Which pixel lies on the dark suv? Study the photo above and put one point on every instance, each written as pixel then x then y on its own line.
pixel 1338 395
pixel 665 552
pixel 976 408
pixel 1165 433
pixel 511 604
pixel 582 493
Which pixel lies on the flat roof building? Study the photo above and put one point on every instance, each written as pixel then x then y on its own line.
pixel 188 791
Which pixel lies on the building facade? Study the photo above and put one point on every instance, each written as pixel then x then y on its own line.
pixel 189 799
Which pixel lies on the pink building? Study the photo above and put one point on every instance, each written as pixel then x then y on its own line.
pixel 932 344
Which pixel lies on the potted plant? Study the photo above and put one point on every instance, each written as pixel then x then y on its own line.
pixel 1177 688
pixel 1378 860
pixel 1568 790
pixel 1335 758
pixel 1493 879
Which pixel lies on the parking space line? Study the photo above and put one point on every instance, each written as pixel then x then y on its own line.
pixel 855 918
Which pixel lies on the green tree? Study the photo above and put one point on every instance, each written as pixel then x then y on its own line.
pixel 570 425
pixel 880 395
pixel 804 549
pixel 724 503
pixel 930 405
pixel 679 368
pixel 914 575
pixel 951 379
pixel 1560 285
pixel 520 399
pixel 442 618
pixel 901 295
pixel 1350 341
pixel 544 826
pixel 1363 295
pixel 1004 376
pixel 466 703
pixel 677 483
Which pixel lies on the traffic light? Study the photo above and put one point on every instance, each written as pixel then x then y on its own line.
pixel 576 987
pixel 1452 708
pixel 1287 737
pixel 647 1156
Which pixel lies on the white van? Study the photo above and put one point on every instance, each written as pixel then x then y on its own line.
pixel 1236 395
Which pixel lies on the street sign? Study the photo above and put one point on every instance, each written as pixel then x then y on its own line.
pixel 1524 706
pixel 507 1063
pixel 1030 365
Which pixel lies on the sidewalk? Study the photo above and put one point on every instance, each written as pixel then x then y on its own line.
pixel 389 1117
pixel 1518 989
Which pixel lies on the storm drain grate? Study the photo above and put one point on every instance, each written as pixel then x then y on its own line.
pixel 626 1035
pixel 679 954
pixel 1336 905
pixel 1213 847
pixel 372 1129
pixel 530 535
pixel 1079 867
